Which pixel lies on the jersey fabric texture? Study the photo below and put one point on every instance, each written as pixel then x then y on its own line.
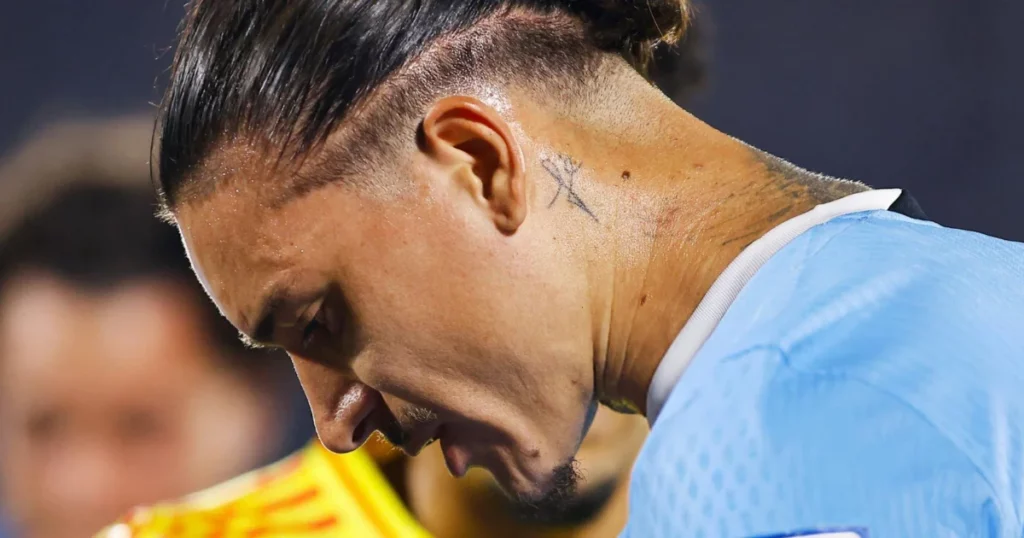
pixel 312 494
pixel 868 380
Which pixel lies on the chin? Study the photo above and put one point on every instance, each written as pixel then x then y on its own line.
pixel 542 477
pixel 585 505
pixel 546 499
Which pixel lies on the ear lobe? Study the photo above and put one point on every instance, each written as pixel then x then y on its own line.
pixel 471 140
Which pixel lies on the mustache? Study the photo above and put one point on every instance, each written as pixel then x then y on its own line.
pixel 397 429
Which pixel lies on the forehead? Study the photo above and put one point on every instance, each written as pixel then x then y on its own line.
pixel 53 336
pixel 241 245
pixel 258 230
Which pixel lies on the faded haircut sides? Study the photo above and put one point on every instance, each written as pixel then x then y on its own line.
pixel 280 76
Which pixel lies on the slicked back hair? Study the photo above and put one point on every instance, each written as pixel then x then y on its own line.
pixel 282 75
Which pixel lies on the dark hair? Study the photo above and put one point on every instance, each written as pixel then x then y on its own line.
pixel 285 73
pixel 96 236
pixel 681 71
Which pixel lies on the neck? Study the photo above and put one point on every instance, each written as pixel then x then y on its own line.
pixel 685 205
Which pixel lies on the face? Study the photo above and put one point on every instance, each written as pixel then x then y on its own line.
pixel 100 398
pixel 422 312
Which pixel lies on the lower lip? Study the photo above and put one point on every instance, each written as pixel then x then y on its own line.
pixel 456 460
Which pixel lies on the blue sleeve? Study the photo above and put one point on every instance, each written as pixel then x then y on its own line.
pixel 753 447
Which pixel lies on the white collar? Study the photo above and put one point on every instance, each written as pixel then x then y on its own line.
pixel 728 285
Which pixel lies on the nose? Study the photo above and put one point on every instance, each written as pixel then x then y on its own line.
pixel 87 481
pixel 354 417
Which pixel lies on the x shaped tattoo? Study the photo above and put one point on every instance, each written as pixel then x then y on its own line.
pixel 565 171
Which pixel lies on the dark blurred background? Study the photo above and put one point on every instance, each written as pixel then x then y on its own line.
pixel 921 94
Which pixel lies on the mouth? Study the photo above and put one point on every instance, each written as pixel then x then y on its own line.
pixel 456 458
pixel 421 438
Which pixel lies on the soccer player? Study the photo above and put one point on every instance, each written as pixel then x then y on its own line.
pixel 445 506
pixel 473 221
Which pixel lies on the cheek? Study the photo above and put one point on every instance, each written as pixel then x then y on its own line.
pixel 413 369
pixel 419 301
pixel 452 316
pixel 435 283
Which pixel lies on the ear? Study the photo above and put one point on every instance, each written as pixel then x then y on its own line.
pixel 471 141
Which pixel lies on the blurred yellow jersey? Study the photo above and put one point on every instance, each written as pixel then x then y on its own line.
pixel 311 494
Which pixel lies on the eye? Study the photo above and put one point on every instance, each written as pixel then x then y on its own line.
pixel 312 328
pixel 46 426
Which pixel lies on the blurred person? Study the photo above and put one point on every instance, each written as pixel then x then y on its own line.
pixel 473 221
pixel 119 383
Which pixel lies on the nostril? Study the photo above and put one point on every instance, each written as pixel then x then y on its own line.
pixel 361 432
pixel 354 417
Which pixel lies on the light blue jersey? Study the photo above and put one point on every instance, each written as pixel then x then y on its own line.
pixel 867 380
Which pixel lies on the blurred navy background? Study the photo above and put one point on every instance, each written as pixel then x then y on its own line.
pixel 922 94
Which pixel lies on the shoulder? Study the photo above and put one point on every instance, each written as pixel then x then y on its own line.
pixel 874 240
pixel 843 251
pixel 792 451
pixel 310 493
pixel 876 295
pixel 864 368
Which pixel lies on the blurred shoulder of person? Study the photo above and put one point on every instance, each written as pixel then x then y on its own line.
pixel 311 493
pixel 120 384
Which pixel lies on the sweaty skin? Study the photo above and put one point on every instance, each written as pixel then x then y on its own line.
pixel 521 263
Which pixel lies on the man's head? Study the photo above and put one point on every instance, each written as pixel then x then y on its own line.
pixel 368 185
pixel 119 384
